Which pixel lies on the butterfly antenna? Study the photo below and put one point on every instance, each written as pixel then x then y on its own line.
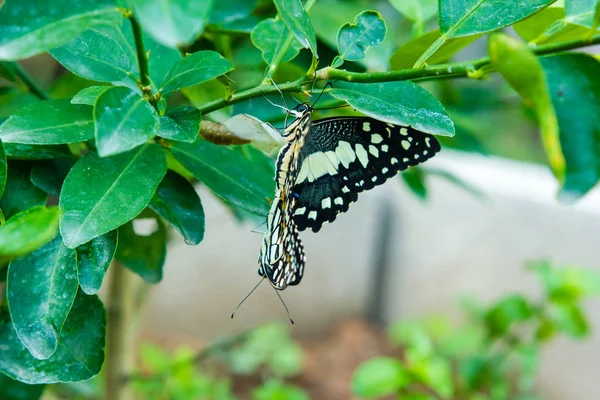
pixel 323 91
pixel 280 92
pixel 245 298
pixel 284 306
pixel 287 110
pixel 297 101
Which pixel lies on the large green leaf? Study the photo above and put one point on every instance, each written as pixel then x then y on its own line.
pixel 28 230
pixel 550 25
pixel 95 55
pixel 40 289
pixel 124 121
pixel 368 30
pixel 194 69
pixel 11 389
pixel 20 194
pixel 49 122
pixel 93 259
pixel 49 175
pixel 88 95
pixel 581 12
pixel 401 103
pixel 144 255
pixel 80 352
pixel 379 376
pixel 295 17
pixel 469 17
pixel 30 27
pixel 270 36
pixel 181 123
pixel 521 68
pixel 177 202
pixel 228 174
pixel 35 152
pixel 407 54
pixel 173 22
pixel 122 187
pixel 575 92
pixel 3 170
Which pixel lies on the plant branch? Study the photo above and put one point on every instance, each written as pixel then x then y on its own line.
pixel 142 58
pixel 29 83
pixel 471 69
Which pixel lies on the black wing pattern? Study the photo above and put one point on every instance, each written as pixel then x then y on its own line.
pixel 343 156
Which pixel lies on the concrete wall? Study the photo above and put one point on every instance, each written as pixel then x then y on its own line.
pixel 453 244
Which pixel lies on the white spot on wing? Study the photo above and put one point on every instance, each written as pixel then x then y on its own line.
pixel 403 131
pixel 373 150
pixel 384 148
pixel 338 201
pixel 376 138
pixel 300 211
pixel 362 155
pixel 385 170
pixel 405 144
pixel 366 126
pixel 345 153
pixel 345 189
pixel 326 203
pixel 312 215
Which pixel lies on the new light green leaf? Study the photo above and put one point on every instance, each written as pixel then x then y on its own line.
pixel 228 174
pixel 469 17
pixel 122 187
pixel 582 12
pixel 550 25
pixel 124 121
pixel 40 289
pixel 49 122
pixel 575 92
pixel 418 11
pixel 296 19
pixel 173 22
pixel 96 56
pixel 88 95
pixel 400 103
pixel 520 67
pixel 270 37
pixel 143 254
pixel 379 376
pixel 194 69
pixel 30 27
pixel 368 30
pixel 178 203
pixel 93 259
pixel 181 123
pixel 79 355
pixel 28 230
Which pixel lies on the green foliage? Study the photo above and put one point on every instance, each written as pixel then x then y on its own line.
pixel 115 139
pixel 495 355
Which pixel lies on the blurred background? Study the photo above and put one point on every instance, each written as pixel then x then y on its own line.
pixel 454 268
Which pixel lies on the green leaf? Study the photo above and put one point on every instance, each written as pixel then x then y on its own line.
pixel 567 285
pixel 28 230
pixel 88 95
pixel 11 389
pixel 122 187
pixel 173 22
pixel 49 122
pixel 407 54
pixel 549 26
pixel 124 120
pixel 181 123
pixel 96 56
pixel 20 194
pixel 581 12
pixel 40 289
pixel 277 390
pixel 93 259
pixel 30 27
pixel 400 103
pixel 270 36
pixel 3 169
pixel 469 17
pixel 228 174
pixel 80 353
pixel 521 68
pixel 143 254
pixel 418 11
pixel 379 376
pixel 415 180
pixel 368 30
pixel 506 313
pixel 49 175
pixel 575 92
pixel 434 372
pixel 569 319
pixel 177 202
pixel 296 19
pixel 33 152
pixel 196 68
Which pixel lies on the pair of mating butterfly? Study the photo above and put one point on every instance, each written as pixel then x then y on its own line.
pixel 320 171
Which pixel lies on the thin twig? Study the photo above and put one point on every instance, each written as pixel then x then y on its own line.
pixel 142 58
pixel 31 85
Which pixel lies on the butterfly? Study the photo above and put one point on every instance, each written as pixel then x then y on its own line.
pixel 320 171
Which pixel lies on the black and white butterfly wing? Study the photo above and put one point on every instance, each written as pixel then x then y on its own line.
pixel 343 156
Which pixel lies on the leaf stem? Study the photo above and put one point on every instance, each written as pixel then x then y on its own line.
pixel 471 69
pixel 31 85
pixel 142 58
